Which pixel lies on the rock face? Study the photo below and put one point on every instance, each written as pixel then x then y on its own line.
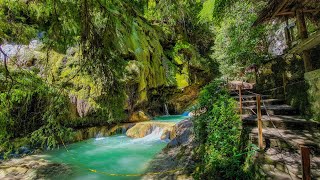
pixel 82 106
pixel 138 117
pixel 175 161
pixel 143 129
pixel 181 101
pixel 184 134
pixel 31 167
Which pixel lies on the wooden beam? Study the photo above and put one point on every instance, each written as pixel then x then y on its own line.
pixel 280 7
pixel 312 41
pixel 285 13
pixel 303 33
pixel 287 33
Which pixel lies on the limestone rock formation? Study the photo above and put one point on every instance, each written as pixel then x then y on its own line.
pixel 138 117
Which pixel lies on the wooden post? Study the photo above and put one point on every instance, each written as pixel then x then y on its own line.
pixel 287 33
pixel 284 85
pixel 303 33
pixel 305 158
pixel 259 122
pixel 240 100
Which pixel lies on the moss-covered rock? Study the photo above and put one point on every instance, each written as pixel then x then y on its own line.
pixel 138 117
pixel 184 100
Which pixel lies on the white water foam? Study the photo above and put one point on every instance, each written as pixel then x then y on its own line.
pixel 99 138
pixel 155 135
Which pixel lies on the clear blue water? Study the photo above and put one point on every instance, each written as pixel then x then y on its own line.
pixel 117 154
pixel 171 118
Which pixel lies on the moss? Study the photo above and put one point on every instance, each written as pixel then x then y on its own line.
pixel 182 80
pixel 178 60
pixel 148 52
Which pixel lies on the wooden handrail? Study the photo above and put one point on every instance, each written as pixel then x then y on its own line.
pixel 305 158
pixel 258 97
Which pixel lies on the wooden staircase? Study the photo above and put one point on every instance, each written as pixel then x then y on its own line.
pixel 284 132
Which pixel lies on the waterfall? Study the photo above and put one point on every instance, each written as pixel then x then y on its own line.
pixel 166 111
pixel 186 113
pixel 99 136
pixel 155 135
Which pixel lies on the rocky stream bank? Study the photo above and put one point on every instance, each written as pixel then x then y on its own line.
pixel 175 161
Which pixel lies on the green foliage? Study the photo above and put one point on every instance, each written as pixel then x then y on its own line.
pixel 107 32
pixel 219 133
pixel 184 40
pixel 30 108
pixel 214 10
pixel 237 43
pixel 13 17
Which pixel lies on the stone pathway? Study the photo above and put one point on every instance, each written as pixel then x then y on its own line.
pixel 283 134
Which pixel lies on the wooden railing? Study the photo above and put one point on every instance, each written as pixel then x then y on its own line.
pixel 305 151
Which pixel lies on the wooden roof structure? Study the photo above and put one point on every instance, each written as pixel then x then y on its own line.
pixel 299 9
pixel 287 8
pixel 306 44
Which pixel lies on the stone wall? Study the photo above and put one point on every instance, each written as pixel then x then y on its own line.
pixel 313 80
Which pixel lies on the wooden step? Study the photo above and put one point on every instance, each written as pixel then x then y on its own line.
pixel 236 92
pixel 272 110
pixel 251 97
pixel 292 139
pixel 281 122
pixel 266 102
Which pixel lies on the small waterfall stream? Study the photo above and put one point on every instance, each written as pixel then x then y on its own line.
pixel 166 111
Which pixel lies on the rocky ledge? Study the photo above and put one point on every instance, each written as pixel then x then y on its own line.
pixel 143 129
pixel 31 167
pixel 175 161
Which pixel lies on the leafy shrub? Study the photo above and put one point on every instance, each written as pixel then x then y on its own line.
pixel 219 132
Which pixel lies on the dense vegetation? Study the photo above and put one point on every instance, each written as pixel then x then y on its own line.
pixel 223 154
pixel 98 62
pixel 32 108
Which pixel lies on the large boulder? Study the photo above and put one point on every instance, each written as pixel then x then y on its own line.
pixel 143 129
pixel 138 117
pixel 140 130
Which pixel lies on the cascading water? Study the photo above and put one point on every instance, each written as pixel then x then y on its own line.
pixel 99 136
pixel 166 111
pixel 155 135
